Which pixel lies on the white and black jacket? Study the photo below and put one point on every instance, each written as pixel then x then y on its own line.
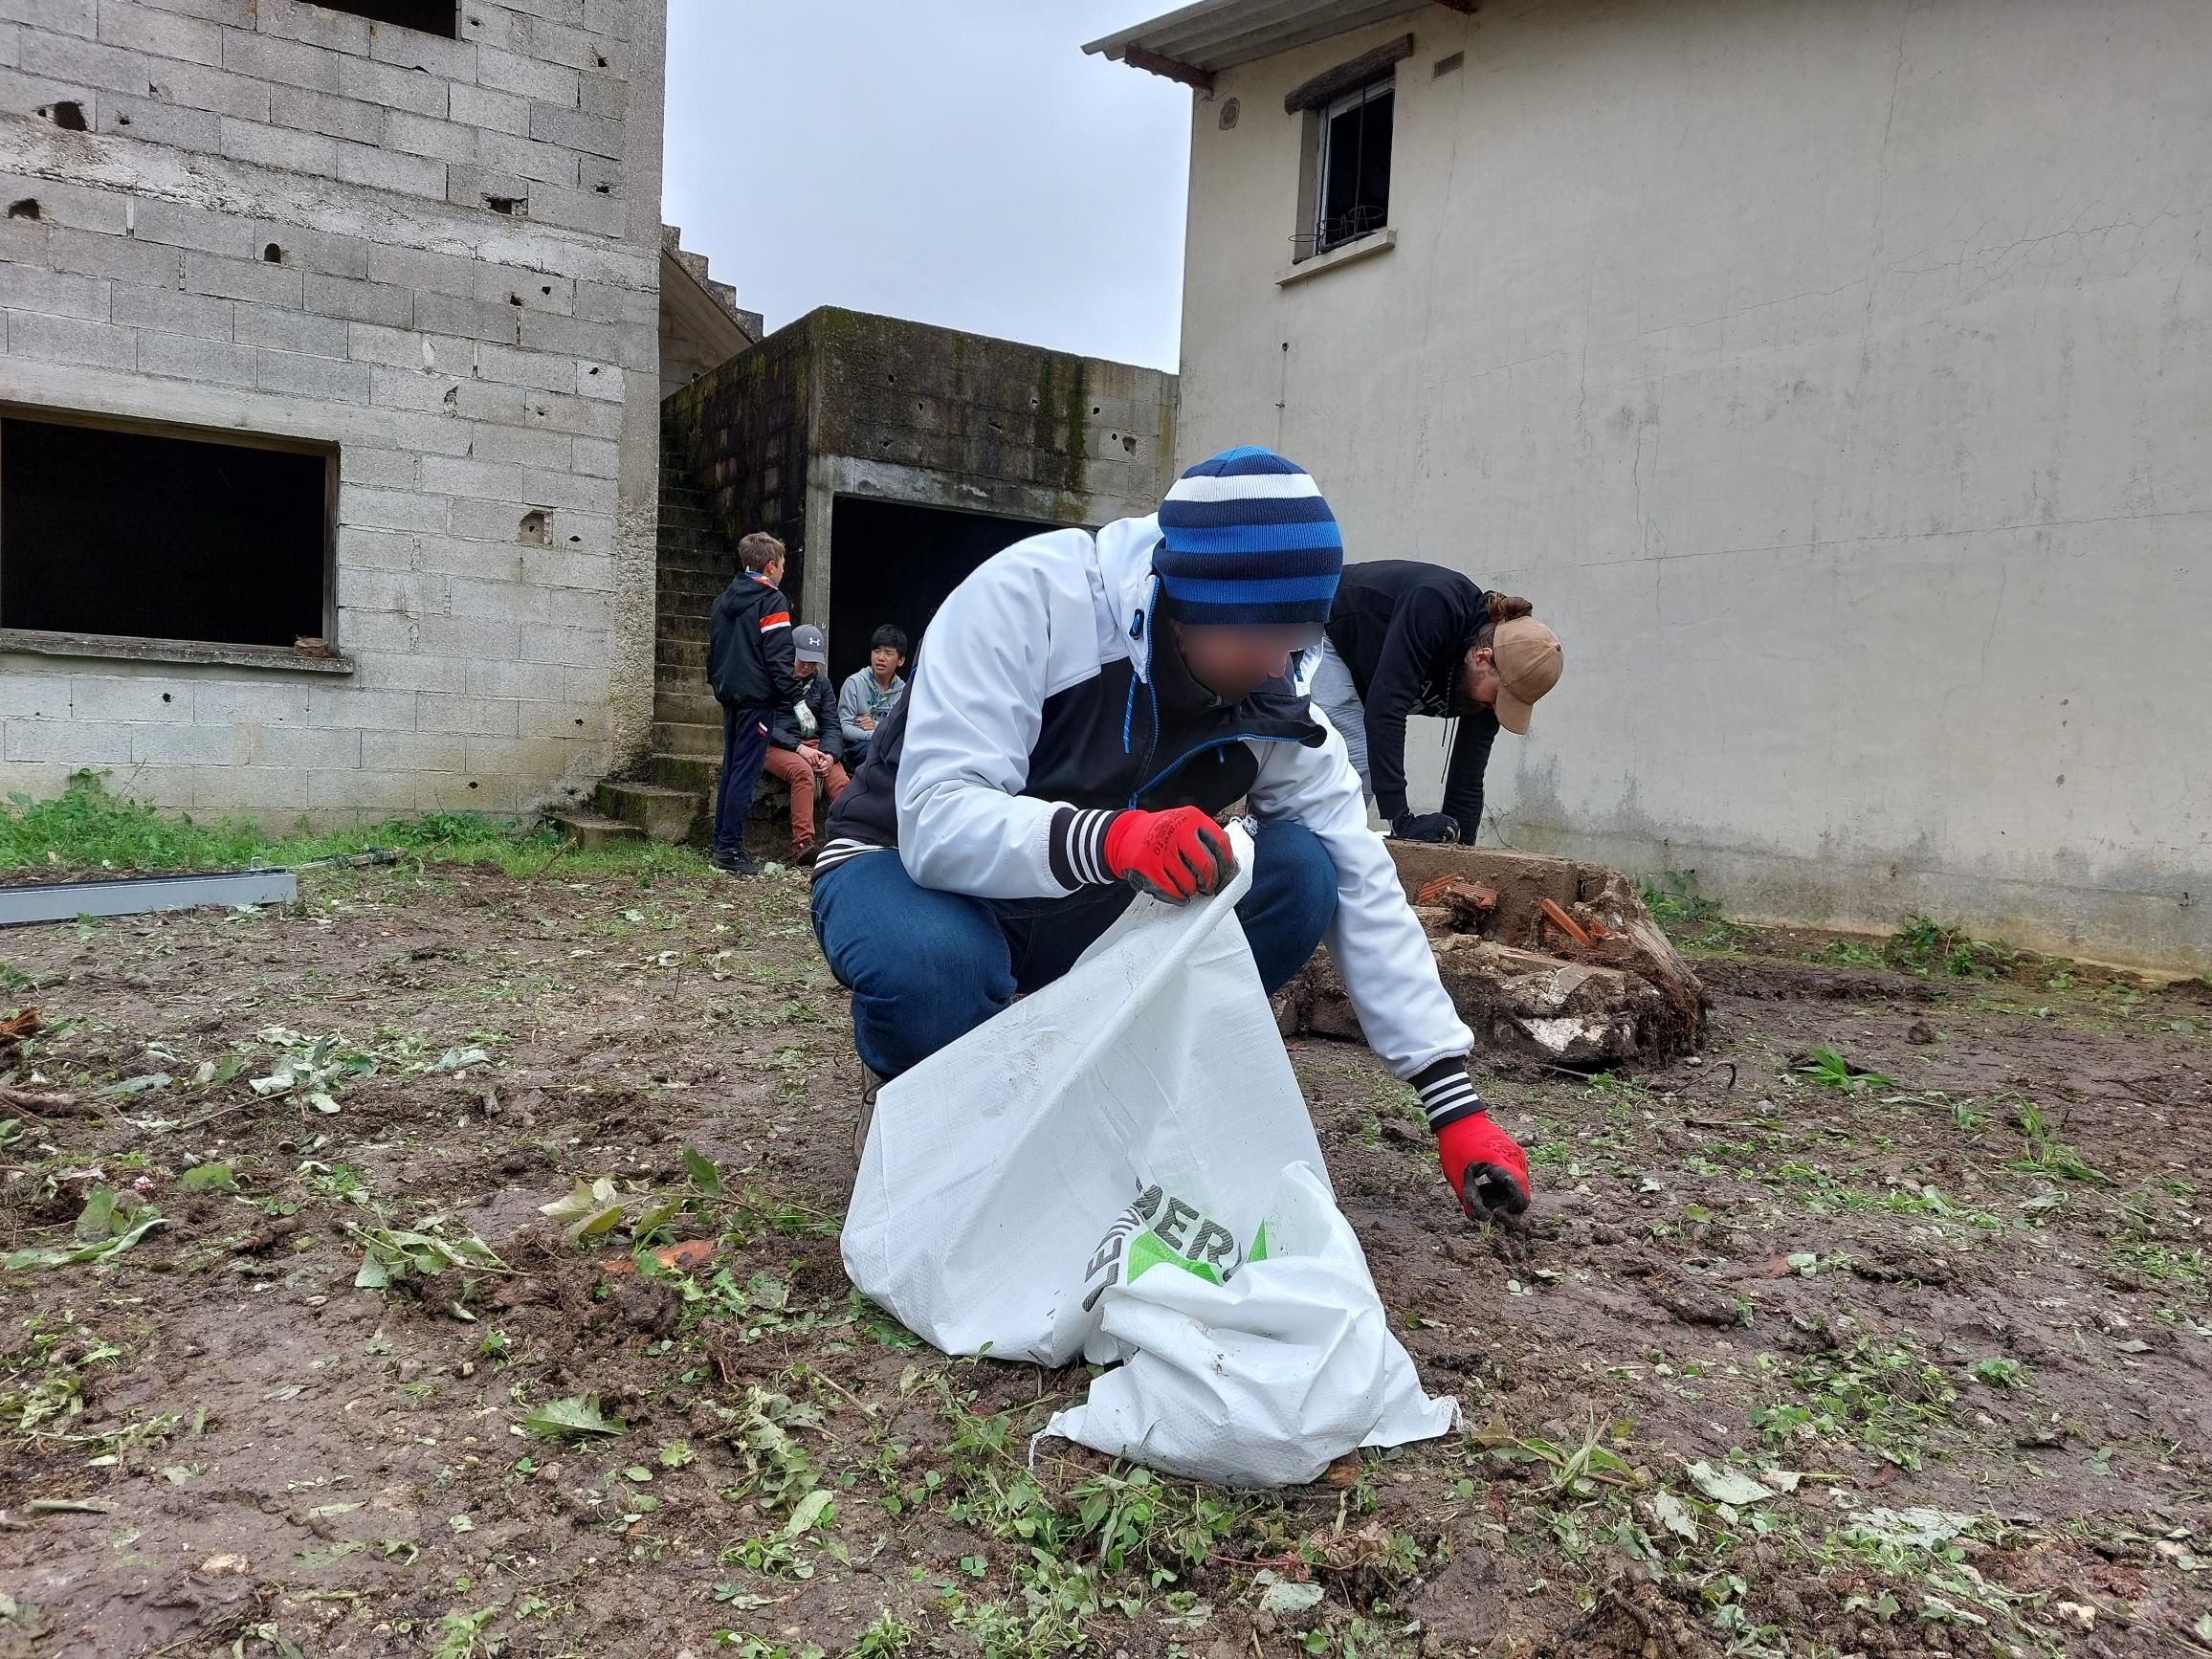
pixel 1032 716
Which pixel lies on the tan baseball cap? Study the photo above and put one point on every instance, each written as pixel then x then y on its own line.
pixel 1529 662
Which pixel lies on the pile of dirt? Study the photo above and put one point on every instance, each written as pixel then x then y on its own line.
pixel 1547 959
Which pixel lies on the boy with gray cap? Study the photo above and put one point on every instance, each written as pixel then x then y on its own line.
pixel 807 740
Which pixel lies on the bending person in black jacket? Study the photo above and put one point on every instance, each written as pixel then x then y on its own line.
pixel 751 666
pixel 1407 638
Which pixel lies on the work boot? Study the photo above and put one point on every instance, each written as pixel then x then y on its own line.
pixel 739 863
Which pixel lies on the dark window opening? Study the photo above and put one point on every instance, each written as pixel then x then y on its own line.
pixel 1353 174
pixel 69 117
pixel 115 532
pixel 431 16
pixel 894 562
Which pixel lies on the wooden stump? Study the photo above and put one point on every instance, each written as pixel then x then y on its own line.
pixel 1566 965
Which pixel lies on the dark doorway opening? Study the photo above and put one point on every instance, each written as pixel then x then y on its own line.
pixel 891 562
pixel 155 536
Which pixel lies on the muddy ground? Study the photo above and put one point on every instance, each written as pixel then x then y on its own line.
pixel 1791 1363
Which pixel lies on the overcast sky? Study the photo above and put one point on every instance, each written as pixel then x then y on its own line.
pixel 959 162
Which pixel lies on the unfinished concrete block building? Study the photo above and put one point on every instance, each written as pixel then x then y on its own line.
pixel 893 459
pixel 328 403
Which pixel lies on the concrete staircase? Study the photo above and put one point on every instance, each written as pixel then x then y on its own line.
pixel 673 800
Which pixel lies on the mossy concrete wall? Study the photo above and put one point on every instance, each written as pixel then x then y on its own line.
pixel 848 403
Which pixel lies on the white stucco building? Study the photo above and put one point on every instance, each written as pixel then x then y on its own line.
pixel 1834 375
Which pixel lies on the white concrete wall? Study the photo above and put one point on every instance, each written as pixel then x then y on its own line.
pixel 471 366
pixel 1833 375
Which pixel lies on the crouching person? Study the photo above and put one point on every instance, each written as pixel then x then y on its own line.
pixel 806 742
pixel 1080 712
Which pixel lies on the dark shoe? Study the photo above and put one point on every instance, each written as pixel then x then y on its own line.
pixel 735 864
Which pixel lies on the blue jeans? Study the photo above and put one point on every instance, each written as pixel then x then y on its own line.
pixel 744 750
pixel 926 966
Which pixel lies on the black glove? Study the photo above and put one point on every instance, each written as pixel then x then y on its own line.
pixel 1425 827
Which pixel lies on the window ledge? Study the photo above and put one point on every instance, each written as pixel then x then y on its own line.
pixel 1350 253
pixel 131 649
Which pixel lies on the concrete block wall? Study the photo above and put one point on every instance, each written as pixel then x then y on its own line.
pixel 851 403
pixel 439 255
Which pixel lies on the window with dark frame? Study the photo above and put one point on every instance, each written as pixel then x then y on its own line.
pixel 1352 194
pixel 148 534
pixel 431 16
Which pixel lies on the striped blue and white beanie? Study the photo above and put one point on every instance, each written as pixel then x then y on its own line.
pixel 1246 537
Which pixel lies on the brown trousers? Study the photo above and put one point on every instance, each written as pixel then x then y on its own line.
pixel 792 768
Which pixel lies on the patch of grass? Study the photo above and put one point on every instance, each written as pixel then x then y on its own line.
pixel 1688 917
pixel 1924 945
pixel 1877 1393
pixel 43 1385
pixel 2162 1264
pixel 1851 953
pixel 87 828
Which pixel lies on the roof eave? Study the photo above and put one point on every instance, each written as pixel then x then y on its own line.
pixel 1194 44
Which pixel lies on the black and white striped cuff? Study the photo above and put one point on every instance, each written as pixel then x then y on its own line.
pixel 1078 847
pixel 1447 1092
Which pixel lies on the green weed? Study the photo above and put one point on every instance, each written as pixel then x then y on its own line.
pixel 1688 917
pixel 1576 1470
pixel 1826 1066
pixel 462 1636
pixel 1925 946
pixel 2043 1154
pixel 1853 953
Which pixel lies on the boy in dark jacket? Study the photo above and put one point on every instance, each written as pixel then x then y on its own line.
pixel 750 665
pixel 803 747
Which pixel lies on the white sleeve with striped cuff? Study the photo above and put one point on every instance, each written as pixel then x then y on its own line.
pixel 1078 847
pixel 1447 1092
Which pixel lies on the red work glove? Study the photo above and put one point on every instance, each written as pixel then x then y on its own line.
pixel 1488 1170
pixel 1176 855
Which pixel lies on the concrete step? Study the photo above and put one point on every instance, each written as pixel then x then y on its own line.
pixel 699 709
pixel 696 772
pixel 661 812
pixel 594 829
pixel 688 738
